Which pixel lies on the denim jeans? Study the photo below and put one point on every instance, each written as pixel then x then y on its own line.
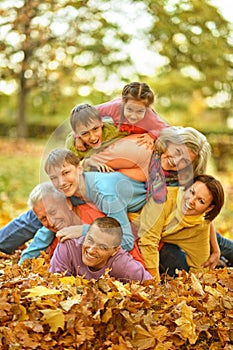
pixel 171 257
pixel 226 248
pixel 18 231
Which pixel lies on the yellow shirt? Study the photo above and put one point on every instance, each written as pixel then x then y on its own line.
pixel 165 222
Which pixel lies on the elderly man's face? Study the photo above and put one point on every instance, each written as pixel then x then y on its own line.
pixel 54 214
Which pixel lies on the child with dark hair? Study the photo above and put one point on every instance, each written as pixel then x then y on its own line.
pixel 131 113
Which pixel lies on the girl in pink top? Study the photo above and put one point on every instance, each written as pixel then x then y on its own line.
pixel 132 113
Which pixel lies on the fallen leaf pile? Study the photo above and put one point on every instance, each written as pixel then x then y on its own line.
pixel 40 310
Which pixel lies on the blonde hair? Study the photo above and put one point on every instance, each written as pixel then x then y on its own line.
pixel 190 137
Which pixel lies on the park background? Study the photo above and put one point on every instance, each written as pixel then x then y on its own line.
pixel 56 54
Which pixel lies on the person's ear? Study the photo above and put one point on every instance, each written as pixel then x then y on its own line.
pixel 209 209
pixel 116 250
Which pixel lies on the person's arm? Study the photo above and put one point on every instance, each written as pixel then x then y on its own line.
pixel 215 250
pixel 70 143
pixel 114 194
pixel 115 208
pixel 150 231
pixel 62 259
pixel 74 143
pixel 42 239
pixel 153 123
pixel 18 231
pixel 72 232
pixel 111 109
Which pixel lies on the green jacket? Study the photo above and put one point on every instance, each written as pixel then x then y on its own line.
pixel 110 134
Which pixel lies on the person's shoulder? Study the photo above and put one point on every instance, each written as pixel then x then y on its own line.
pixel 173 194
pixel 111 132
pixel 109 126
pixel 122 257
pixel 72 243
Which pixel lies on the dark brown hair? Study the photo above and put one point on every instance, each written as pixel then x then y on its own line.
pixel 216 189
pixel 138 91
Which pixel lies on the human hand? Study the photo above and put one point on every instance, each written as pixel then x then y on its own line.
pixel 69 232
pixel 213 260
pixel 79 144
pixel 102 168
pixel 146 139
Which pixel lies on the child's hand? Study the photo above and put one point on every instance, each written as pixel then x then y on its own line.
pixel 79 145
pixel 146 139
pixel 102 168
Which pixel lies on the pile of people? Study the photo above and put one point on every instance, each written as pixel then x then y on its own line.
pixel 128 193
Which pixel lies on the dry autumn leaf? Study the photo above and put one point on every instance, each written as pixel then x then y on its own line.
pixel 45 311
pixel 54 318
pixel 40 291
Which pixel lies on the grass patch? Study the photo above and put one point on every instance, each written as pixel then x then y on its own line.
pixel 19 174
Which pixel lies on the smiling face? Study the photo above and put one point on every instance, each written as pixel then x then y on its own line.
pixel 97 248
pixel 91 134
pixel 65 178
pixel 197 199
pixel 177 157
pixel 134 111
pixel 54 214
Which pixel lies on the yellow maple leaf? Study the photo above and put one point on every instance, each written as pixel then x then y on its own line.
pixel 54 318
pixel 68 280
pixel 186 325
pixel 196 285
pixel 121 287
pixel 40 291
pixel 143 339
pixel 107 315
pixel 23 313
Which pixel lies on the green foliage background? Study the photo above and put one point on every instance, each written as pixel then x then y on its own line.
pixel 51 68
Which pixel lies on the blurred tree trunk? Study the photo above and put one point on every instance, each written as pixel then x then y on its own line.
pixel 49 45
pixel 22 129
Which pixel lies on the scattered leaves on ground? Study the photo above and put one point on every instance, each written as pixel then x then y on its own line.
pixel 40 310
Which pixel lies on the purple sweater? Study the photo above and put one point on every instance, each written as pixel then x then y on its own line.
pixel 67 258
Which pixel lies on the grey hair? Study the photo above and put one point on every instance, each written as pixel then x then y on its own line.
pixel 41 191
pixel 190 137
